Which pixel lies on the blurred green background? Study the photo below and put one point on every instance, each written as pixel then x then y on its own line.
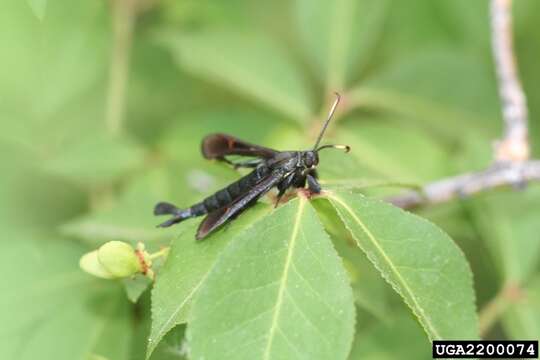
pixel 103 105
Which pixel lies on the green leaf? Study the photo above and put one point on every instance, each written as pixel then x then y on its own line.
pixel 392 151
pixel 387 341
pixel 418 259
pixel 339 169
pixel 522 318
pixel 91 317
pixel 415 26
pixel 369 289
pixel 173 346
pixel 38 7
pixel 470 21
pixel 136 286
pixel 507 221
pixel 185 271
pixel 159 93
pixel 527 20
pixel 336 34
pixel 509 225
pixel 241 62
pixel 252 125
pixel 130 218
pixel 50 63
pixel 439 68
pixel 278 291
pixel 422 88
pixel 114 341
pixel 95 159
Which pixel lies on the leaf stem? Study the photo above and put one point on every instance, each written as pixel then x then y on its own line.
pixel 496 307
pixel 490 314
pixel 163 252
pixel 123 20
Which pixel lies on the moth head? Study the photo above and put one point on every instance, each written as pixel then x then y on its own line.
pixel 310 159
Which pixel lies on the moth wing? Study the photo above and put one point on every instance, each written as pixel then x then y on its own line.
pixel 217 146
pixel 218 217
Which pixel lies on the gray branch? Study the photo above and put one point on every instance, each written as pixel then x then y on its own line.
pixel 511 156
pixel 514 146
pixel 469 184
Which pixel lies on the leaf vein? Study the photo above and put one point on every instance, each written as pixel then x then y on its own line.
pixel 281 292
pixel 391 265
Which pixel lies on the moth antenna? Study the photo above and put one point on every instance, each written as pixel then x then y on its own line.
pixel 345 148
pixel 330 115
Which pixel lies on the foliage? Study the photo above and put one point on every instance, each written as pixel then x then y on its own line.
pixel 340 276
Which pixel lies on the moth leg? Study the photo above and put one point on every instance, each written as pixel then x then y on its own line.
pixel 313 185
pixel 283 186
pixel 253 163
pixel 279 196
pixel 224 159
pixel 300 181
pixel 246 164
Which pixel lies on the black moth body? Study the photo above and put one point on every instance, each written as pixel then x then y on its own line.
pixel 271 168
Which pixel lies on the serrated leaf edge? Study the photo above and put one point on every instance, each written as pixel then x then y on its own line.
pixel 415 306
pixel 152 345
pixel 331 195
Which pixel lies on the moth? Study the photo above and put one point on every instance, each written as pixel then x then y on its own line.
pixel 271 168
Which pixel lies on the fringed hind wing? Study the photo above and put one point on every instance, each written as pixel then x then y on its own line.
pixel 218 146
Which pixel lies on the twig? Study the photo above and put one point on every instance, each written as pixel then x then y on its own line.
pixel 514 146
pixel 510 294
pixel 469 184
pixel 511 154
pixel 123 13
pixel 491 312
pixel 123 19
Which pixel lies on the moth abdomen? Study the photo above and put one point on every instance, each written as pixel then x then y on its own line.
pixel 223 197
pixel 198 209
pixel 211 203
pixel 234 189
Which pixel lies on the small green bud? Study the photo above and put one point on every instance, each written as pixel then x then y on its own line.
pixel 116 259
pixel 119 259
pixel 89 263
